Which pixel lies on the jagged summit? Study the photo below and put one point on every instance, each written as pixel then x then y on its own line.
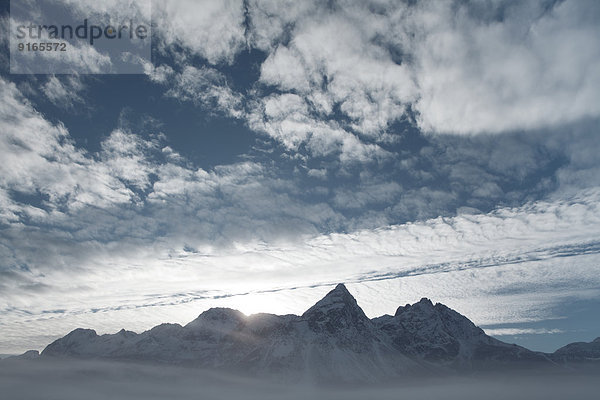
pixel 425 301
pixel 424 305
pixel 338 309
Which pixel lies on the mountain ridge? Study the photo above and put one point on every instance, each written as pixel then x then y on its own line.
pixel 332 340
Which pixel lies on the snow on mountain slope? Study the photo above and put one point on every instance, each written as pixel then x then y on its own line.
pixel 333 340
pixel 341 339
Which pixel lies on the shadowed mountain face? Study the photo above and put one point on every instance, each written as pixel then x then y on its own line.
pixel 440 335
pixel 579 351
pixel 333 340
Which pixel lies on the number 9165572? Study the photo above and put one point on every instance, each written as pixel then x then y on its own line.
pixel 46 46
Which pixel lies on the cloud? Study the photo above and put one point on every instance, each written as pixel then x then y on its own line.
pixel 521 331
pixel 158 74
pixel 79 59
pixel 289 119
pixel 461 69
pixel 367 195
pixel 501 67
pixel 72 56
pixel 212 29
pixel 335 81
pixel 40 159
pixel 125 156
pixel 329 66
pixel 63 92
pixel 271 21
pixel 454 68
pixel 117 9
pixel 580 147
pixel 464 68
pixel 361 78
pixel 206 87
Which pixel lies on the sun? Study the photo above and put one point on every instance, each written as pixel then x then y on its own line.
pixel 272 303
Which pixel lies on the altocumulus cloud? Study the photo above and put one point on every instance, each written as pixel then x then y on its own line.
pixel 335 78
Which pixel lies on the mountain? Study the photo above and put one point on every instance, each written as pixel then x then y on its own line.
pixel 28 355
pixel 332 340
pixel 579 352
pixel 439 335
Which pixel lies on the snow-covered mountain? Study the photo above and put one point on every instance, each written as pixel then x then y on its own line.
pixel 439 335
pixel 333 340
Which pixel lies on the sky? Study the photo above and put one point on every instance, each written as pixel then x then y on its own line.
pixel 272 149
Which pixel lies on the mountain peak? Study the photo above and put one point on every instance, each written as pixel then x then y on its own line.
pixel 82 333
pixel 338 305
pixel 425 301
pixel 336 297
pixel 424 305
pixel 341 287
pixel 217 315
pixel 340 292
pixel 222 313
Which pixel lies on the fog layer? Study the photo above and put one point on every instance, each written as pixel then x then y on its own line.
pixel 66 380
